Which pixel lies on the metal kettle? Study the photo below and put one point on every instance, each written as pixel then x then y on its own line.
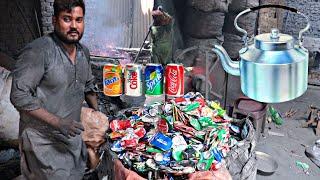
pixel 274 68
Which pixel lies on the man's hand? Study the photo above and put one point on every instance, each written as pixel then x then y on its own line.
pixel 120 172
pixel 69 127
pixel 65 126
pixel 220 174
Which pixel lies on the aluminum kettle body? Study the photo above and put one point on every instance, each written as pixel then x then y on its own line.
pixel 277 76
pixel 273 69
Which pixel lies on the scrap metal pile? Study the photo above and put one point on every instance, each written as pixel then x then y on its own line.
pixel 181 136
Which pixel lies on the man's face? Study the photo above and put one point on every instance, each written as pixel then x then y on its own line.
pixel 69 26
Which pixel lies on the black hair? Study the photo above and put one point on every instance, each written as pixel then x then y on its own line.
pixel 67 5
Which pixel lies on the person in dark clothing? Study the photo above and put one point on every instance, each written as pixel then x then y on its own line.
pixel 51 79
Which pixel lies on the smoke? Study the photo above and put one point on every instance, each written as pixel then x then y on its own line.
pixel 106 26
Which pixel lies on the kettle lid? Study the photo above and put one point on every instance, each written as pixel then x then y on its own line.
pixel 274 41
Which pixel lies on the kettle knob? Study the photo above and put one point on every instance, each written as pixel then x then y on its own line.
pixel 274 33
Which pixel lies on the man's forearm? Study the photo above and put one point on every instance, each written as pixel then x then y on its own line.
pixel 92 101
pixel 45 116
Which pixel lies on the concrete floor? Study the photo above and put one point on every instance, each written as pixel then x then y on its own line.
pixel 291 147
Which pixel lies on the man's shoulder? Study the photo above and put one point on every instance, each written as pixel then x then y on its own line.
pixel 43 43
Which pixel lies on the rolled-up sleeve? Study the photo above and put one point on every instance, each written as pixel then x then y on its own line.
pixel 28 72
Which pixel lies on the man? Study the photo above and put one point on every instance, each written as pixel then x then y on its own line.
pixel 51 80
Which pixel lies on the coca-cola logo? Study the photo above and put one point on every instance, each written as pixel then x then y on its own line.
pixel 133 80
pixel 173 83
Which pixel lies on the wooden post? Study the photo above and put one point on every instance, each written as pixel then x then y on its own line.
pixel 271 17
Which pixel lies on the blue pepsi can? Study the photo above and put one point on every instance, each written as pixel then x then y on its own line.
pixel 161 141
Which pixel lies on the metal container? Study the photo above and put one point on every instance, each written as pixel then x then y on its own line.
pixel 266 164
pixel 174 78
pixel 133 80
pixel 153 79
pixel 112 80
pixel 273 69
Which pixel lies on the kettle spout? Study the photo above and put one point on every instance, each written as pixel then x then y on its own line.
pixel 231 67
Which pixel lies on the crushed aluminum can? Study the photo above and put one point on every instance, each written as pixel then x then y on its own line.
pixel 207 154
pixel 188 170
pixel 189 162
pixel 235 129
pixel 153 112
pixel 129 143
pixel 116 146
pixel 178 143
pixel 163 158
pixel 162 126
pixel 205 161
pixel 161 141
pixel 140 166
pixel 217 154
pixel 190 95
pixel 177 155
pixel 201 166
pixel 215 165
pixel 140 147
pixel 158 157
pixel 208 112
pixel 151 164
pixel 116 125
pixel 140 132
pixel 178 167
pixel 167 108
pixel 116 135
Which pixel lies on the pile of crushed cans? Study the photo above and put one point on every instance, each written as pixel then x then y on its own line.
pixel 180 136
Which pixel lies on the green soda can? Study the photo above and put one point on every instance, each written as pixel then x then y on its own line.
pixel 153 79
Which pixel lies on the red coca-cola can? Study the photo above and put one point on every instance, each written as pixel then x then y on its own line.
pixel 174 79
pixel 116 125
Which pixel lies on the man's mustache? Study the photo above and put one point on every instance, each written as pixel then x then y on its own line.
pixel 73 31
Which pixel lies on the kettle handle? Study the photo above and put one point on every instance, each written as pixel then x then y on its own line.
pixel 270 6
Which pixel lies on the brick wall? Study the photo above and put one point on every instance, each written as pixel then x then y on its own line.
pixel 271 17
pixel 17 24
pixel 46 12
pixel 293 23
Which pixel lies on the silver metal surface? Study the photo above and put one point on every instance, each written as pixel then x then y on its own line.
pixel 269 43
pixel 231 67
pixel 269 76
pixel 266 165
pixel 245 34
pixel 274 33
pixel 273 69
pixel 304 29
pixel 274 76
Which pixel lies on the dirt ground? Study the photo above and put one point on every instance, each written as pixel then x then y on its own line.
pixel 288 149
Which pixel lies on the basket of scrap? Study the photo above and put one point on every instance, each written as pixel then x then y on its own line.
pixel 180 137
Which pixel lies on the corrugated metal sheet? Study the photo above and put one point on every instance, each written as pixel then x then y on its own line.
pixel 120 20
pixel 116 23
pixel 141 21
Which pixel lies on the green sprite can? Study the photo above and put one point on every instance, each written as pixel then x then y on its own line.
pixel 153 79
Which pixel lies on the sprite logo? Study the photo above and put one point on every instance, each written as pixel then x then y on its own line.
pixel 111 80
pixel 154 79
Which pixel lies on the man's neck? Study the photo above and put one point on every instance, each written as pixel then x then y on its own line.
pixel 71 50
